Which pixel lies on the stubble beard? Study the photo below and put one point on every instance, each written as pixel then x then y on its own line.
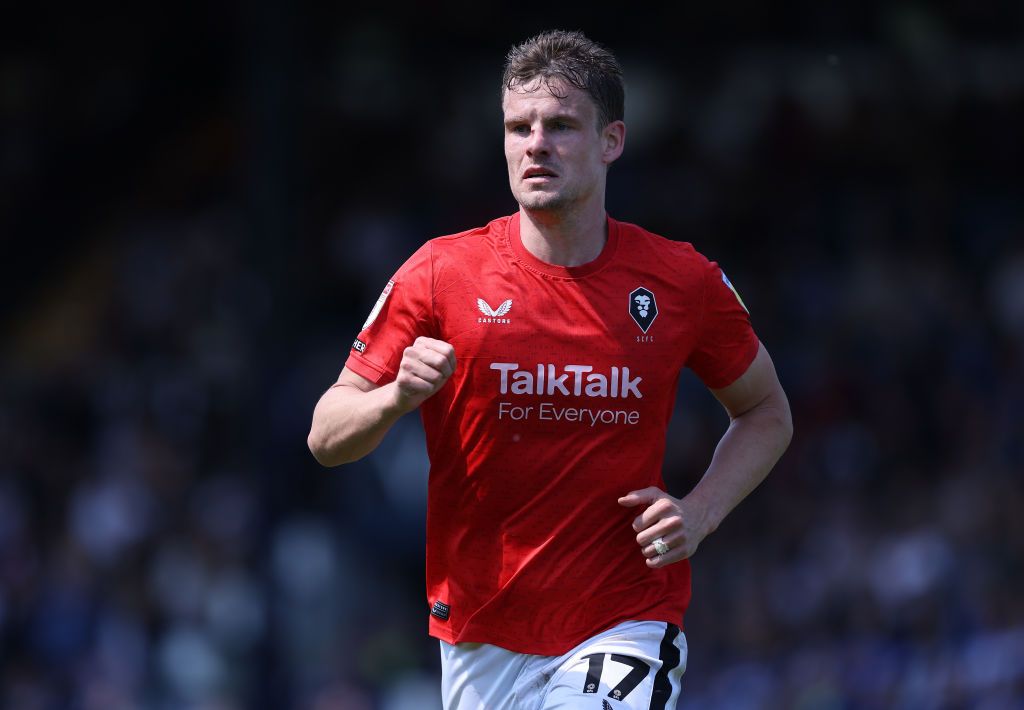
pixel 541 202
pixel 544 201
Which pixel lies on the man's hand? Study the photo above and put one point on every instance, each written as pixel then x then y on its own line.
pixel 426 365
pixel 759 431
pixel 680 522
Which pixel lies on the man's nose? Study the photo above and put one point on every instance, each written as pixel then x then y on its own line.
pixel 538 142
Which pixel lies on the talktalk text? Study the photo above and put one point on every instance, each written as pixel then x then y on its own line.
pixel 549 379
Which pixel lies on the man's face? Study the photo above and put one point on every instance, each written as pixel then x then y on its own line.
pixel 557 156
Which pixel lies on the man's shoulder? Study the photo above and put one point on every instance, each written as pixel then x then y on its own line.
pixel 639 238
pixel 472 238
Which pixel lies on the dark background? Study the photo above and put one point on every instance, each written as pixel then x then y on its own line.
pixel 200 204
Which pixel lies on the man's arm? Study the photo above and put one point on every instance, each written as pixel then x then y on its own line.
pixel 760 429
pixel 353 415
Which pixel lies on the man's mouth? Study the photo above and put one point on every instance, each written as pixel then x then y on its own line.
pixel 531 173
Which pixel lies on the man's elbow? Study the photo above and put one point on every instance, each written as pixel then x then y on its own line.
pixel 784 423
pixel 323 452
pixel 775 419
pixel 787 430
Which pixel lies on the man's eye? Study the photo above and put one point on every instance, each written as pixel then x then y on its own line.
pixel 522 130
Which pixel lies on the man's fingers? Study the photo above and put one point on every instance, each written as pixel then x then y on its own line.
pixel 653 513
pixel 412 382
pixel 650 553
pixel 663 517
pixel 439 346
pixel 663 560
pixel 679 548
pixel 644 495
pixel 663 528
pixel 434 354
pixel 425 367
pixel 424 371
pixel 432 343
pixel 435 360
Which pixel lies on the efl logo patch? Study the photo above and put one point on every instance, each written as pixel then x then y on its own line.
pixel 643 307
pixel 378 305
pixel 727 282
pixel 440 610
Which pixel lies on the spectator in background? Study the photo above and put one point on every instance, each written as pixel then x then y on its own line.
pixel 166 541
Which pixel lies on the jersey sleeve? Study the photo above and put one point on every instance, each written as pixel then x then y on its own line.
pixel 726 343
pixel 403 312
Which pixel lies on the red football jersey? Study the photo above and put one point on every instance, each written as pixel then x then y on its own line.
pixel 564 385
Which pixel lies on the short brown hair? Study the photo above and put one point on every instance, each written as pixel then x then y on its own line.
pixel 572 57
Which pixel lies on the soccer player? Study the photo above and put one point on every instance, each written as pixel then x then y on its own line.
pixel 543 351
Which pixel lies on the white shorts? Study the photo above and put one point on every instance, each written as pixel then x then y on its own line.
pixel 637 665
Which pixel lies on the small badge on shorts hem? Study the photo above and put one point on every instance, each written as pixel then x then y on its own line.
pixel 359 346
pixel 440 610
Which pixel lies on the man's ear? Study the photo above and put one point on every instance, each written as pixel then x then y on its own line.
pixel 614 138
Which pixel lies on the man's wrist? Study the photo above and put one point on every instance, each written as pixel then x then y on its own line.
pixel 708 518
pixel 395 402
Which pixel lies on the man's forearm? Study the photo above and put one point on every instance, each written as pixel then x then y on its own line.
pixel 354 414
pixel 349 423
pixel 745 454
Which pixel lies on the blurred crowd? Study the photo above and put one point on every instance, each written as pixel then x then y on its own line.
pixel 166 541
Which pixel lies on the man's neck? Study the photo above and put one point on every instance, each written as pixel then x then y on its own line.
pixel 564 239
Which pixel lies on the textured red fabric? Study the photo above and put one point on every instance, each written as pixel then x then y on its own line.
pixel 559 405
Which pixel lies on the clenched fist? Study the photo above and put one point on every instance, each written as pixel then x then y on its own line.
pixel 426 365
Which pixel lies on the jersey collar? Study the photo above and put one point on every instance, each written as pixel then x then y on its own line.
pixel 524 257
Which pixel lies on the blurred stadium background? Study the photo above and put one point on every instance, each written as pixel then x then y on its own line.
pixel 199 205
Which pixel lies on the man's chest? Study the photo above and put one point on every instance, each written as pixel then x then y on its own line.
pixel 587 332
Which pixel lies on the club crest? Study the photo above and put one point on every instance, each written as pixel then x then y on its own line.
pixel 643 307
